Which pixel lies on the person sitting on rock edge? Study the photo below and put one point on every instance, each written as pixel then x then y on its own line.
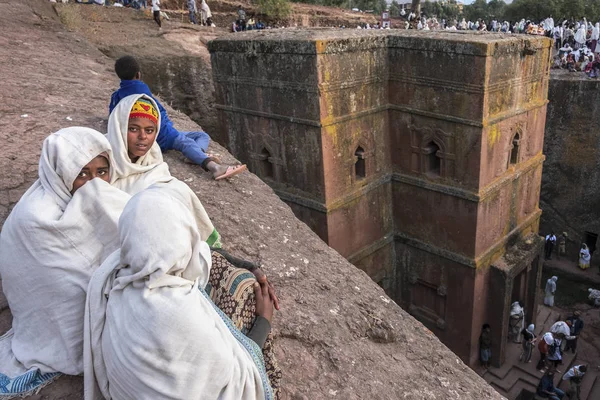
pixel 193 145
pixel 137 164
pixel 55 237
pixel 155 329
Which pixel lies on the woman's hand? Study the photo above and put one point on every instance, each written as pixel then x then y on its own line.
pixel 264 302
pixel 262 279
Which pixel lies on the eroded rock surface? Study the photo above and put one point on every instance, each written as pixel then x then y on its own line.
pixel 570 197
pixel 338 335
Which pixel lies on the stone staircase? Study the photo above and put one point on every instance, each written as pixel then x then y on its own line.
pixel 515 377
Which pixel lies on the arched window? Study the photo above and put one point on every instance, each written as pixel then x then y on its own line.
pixel 514 152
pixel 266 167
pixel 360 170
pixel 433 162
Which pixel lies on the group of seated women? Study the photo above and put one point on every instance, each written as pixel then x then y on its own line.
pixel 113 269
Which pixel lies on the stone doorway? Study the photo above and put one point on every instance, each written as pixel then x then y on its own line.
pixel 591 238
pixel 519 291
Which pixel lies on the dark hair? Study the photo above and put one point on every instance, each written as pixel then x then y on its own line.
pixel 127 67
pixel 485 326
pixel 583 368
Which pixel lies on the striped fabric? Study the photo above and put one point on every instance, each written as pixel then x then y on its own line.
pixel 25 385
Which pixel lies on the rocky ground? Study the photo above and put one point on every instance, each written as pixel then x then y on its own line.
pixel 337 335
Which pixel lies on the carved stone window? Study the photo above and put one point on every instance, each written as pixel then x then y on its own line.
pixel 360 170
pixel 514 150
pixel 266 165
pixel 433 161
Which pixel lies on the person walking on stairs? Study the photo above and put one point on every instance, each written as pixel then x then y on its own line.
pixel 575 376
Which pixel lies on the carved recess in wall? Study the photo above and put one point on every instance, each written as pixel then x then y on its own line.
pixel 265 161
pixel 423 139
pixel 428 301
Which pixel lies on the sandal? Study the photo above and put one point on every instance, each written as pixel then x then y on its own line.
pixel 232 171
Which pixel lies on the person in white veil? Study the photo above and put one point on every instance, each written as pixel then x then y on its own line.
pixel 595 36
pixel 151 332
pixel 517 321
pixel 594 297
pixel 137 161
pixel 205 14
pixel 549 291
pixel 581 36
pixel 58 233
pixel 133 127
pixel 584 257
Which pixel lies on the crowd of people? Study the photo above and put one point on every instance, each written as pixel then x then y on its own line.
pixel 242 23
pixel 561 338
pixel 113 269
pixel 585 254
pixel 576 41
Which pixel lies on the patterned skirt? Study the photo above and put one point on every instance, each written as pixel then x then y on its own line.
pixel 231 289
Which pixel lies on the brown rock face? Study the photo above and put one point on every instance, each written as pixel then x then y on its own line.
pixel 571 180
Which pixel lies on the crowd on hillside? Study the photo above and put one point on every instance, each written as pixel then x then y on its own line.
pixel 576 41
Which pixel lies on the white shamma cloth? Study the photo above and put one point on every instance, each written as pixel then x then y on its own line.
pixel 150 169
pixel 50 245
pixel 150 332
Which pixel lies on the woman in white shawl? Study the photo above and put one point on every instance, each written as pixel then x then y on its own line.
pixel 205 13
pixel 581 35
pixel 595 36
pixel 584 257
pixel 136 140
pixel 517 321
pixel 151 332
pixel 549 291
pixel 594 297
pixel 138 164
pixel 59 232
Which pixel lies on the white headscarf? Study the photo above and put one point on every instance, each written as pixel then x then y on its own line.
pixel 205 9
pixel 580 35
pixel 49 247
pixel 560 327
pixel 585 253
pixel 531 328
pixel 150 332
pixel 150 169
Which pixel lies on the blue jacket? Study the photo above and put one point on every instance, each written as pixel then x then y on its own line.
pixel 167 133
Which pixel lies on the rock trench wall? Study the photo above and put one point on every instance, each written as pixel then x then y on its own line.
pixel 570 196
pixel 338 335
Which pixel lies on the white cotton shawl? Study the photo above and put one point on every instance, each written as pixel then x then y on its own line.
pixel 147 170
pixel 205 9
pixel 581 34
pixel 149 332
pixel 560 327
pixel 49 246
pixel 150 169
